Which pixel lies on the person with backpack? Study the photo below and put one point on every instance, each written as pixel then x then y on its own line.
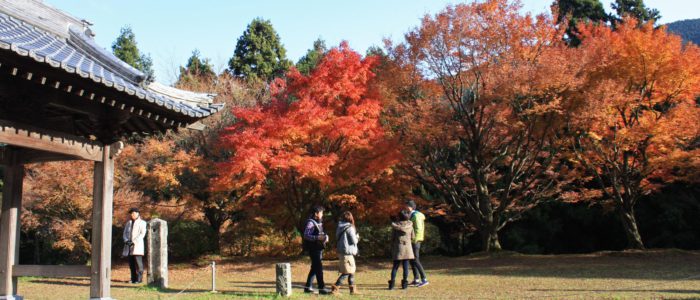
pixel 418 220
pixel 401 251
pixel 347 239
pixel 314 241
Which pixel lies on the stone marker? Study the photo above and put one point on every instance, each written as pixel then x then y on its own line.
pixel 284 279
pixel 158 253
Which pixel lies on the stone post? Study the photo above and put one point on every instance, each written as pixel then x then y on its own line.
pixel 158 253
pixel 284 279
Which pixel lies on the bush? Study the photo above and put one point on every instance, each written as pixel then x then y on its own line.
pixel 189 239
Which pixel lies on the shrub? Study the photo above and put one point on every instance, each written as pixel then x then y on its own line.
pixel 189 239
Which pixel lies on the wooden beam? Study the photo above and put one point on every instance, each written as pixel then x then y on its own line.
pixel 102 226
pixel 9 221
pixel 24 136
pixel 50 271
pixel 30 156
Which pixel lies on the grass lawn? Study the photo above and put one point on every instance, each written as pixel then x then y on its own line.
pixel 662 274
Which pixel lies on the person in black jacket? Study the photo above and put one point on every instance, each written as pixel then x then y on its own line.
pixel 314 242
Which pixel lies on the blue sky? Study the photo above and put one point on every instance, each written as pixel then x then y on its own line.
pixel 169 30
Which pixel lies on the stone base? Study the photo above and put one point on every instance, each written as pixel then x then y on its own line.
pixel 107 298
pixel 15 297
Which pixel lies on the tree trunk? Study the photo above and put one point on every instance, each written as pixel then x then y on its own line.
pixel 217 242
pixel 629 223
pixel 215 225
pixel 489 237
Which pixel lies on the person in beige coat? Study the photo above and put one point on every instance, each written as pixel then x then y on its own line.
pixel 134 248
pixel 401 250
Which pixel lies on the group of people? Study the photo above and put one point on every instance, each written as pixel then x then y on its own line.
pixel 408 232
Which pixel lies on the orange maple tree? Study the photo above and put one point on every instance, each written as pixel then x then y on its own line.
pixel 318 141
pixel 635 119
pixel 57 205
pixel 480 129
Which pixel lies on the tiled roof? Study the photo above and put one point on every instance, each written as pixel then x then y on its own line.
pixel 77 53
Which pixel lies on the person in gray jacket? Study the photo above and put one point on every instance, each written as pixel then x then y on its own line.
pixel 347 238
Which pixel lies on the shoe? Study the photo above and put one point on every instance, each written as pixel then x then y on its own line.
pixel 404 284
pixel 335 290
pixel 309 290
pixel 423 283
pixel 323 291
pixel 354 291
pixel 391 284
pixel 415 282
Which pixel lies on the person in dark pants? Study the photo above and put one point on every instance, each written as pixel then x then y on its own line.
pixel 314 242
pixel 418 220
pixel 134 248
pixel 401 251
pixel 347 238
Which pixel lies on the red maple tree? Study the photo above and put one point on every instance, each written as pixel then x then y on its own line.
pixel 482 110
pixel 318 141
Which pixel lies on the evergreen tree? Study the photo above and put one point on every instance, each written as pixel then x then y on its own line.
pixel 259 53
pixel 635 9
pixel 576 11
pixel 309 61
pixel 196 67
pixel 126 49
pixel 375 51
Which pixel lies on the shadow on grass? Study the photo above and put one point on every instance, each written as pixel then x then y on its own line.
pixel 631 290
pixel 650 265
pixel 203 291
pixel 60 282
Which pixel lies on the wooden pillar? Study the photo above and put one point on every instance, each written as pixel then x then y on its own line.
pixel 102 226
pixel 9 223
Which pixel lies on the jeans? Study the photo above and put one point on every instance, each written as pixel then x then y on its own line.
pixel 351 279
pixel 136 266
pixel 403 262
pixel 316 269
pixel 416 266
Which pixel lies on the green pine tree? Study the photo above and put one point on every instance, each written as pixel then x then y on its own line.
pixel 576 11
pixel 636 9
pixel 126 49
pixel 259 53
pixel 196 67
pixel 312 57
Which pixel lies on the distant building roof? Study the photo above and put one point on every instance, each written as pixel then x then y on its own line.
pixel 33 29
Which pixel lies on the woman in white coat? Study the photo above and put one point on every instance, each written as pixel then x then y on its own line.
pixel 134 249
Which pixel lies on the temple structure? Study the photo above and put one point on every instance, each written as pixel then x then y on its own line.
pixel 63 97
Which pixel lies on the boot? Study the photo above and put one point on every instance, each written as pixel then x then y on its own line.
pixel 404 284
pixel 354 291
pixel 391 284
pixel 335 290
pixel 323 291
